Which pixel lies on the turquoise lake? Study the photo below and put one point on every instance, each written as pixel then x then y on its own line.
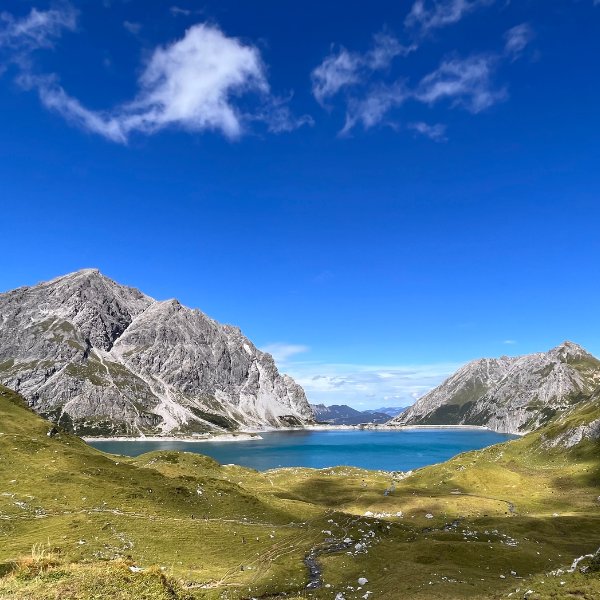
pixel 387 450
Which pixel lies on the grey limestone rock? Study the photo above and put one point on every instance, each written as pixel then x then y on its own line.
pixel 101 358
pixel 513 395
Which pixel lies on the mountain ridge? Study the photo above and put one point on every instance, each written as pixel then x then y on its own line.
pixel 509 394
pixel 342 414
pixel 391 411
pixel 103 358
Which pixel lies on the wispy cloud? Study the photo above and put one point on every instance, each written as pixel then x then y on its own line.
pixel 517 39
pixel 467 83
pixel 352 72
pixel 337 71
pixel 367 386
pixel 435 14
pixel 195 83
pixel 464 82
pixel 282 352
pixel 177 10
pixel 436 132
pixel 38 29
pixel 343 69
pixel 370 97
pixel 275 113
pixel 509 342
pixel 359 385
pixel 133 28
pixel 372 108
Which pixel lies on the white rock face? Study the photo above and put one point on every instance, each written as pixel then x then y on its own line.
pixel 101 358
pixel 572 437
pixel 512 395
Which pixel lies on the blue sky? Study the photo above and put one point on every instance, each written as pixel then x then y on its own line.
pixel 376 193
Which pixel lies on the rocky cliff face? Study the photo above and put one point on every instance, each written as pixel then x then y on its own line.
pixel 101 358
pixel 513 395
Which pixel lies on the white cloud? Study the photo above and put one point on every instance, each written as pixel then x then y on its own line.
pixel 194 84
pixel 427 16
pixel 278 117
pixel 372 109
pixel 370 96
pixel 282 352
pixel 39 29
pixel 334 73
pixel 465 82
pixel 436 132
pixel 54 98
pixel 367 386
pixel 509 342
pixel 385 49
pixel 517 39
pixel 176 10
pixel 344 69
pixel 190 83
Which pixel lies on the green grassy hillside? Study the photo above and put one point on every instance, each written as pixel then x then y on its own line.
pixel 77 523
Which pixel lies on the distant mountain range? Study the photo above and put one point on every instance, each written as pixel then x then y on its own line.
pixel 341 414
pixel 391 411
pixel 100 358
pixel 514 395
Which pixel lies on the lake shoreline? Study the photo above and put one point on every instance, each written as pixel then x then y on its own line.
pixel 224 437
pixel 254 434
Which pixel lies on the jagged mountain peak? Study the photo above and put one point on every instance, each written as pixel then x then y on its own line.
pixel 82 278
pixel 85 307
pixel 514 395
pixel 569 350
pixel 86 272
pixel 104 357
pixel 90 284
pixel 487 364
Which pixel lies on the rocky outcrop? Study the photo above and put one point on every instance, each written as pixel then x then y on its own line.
pixel 513 395
pixel 579 424
pixel 102 358
pixel 579 433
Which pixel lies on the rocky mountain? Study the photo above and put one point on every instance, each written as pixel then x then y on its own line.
pixel 513 395
pixel 100 358
pixel 342 414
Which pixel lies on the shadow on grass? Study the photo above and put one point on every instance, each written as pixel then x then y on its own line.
pixel 332 492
